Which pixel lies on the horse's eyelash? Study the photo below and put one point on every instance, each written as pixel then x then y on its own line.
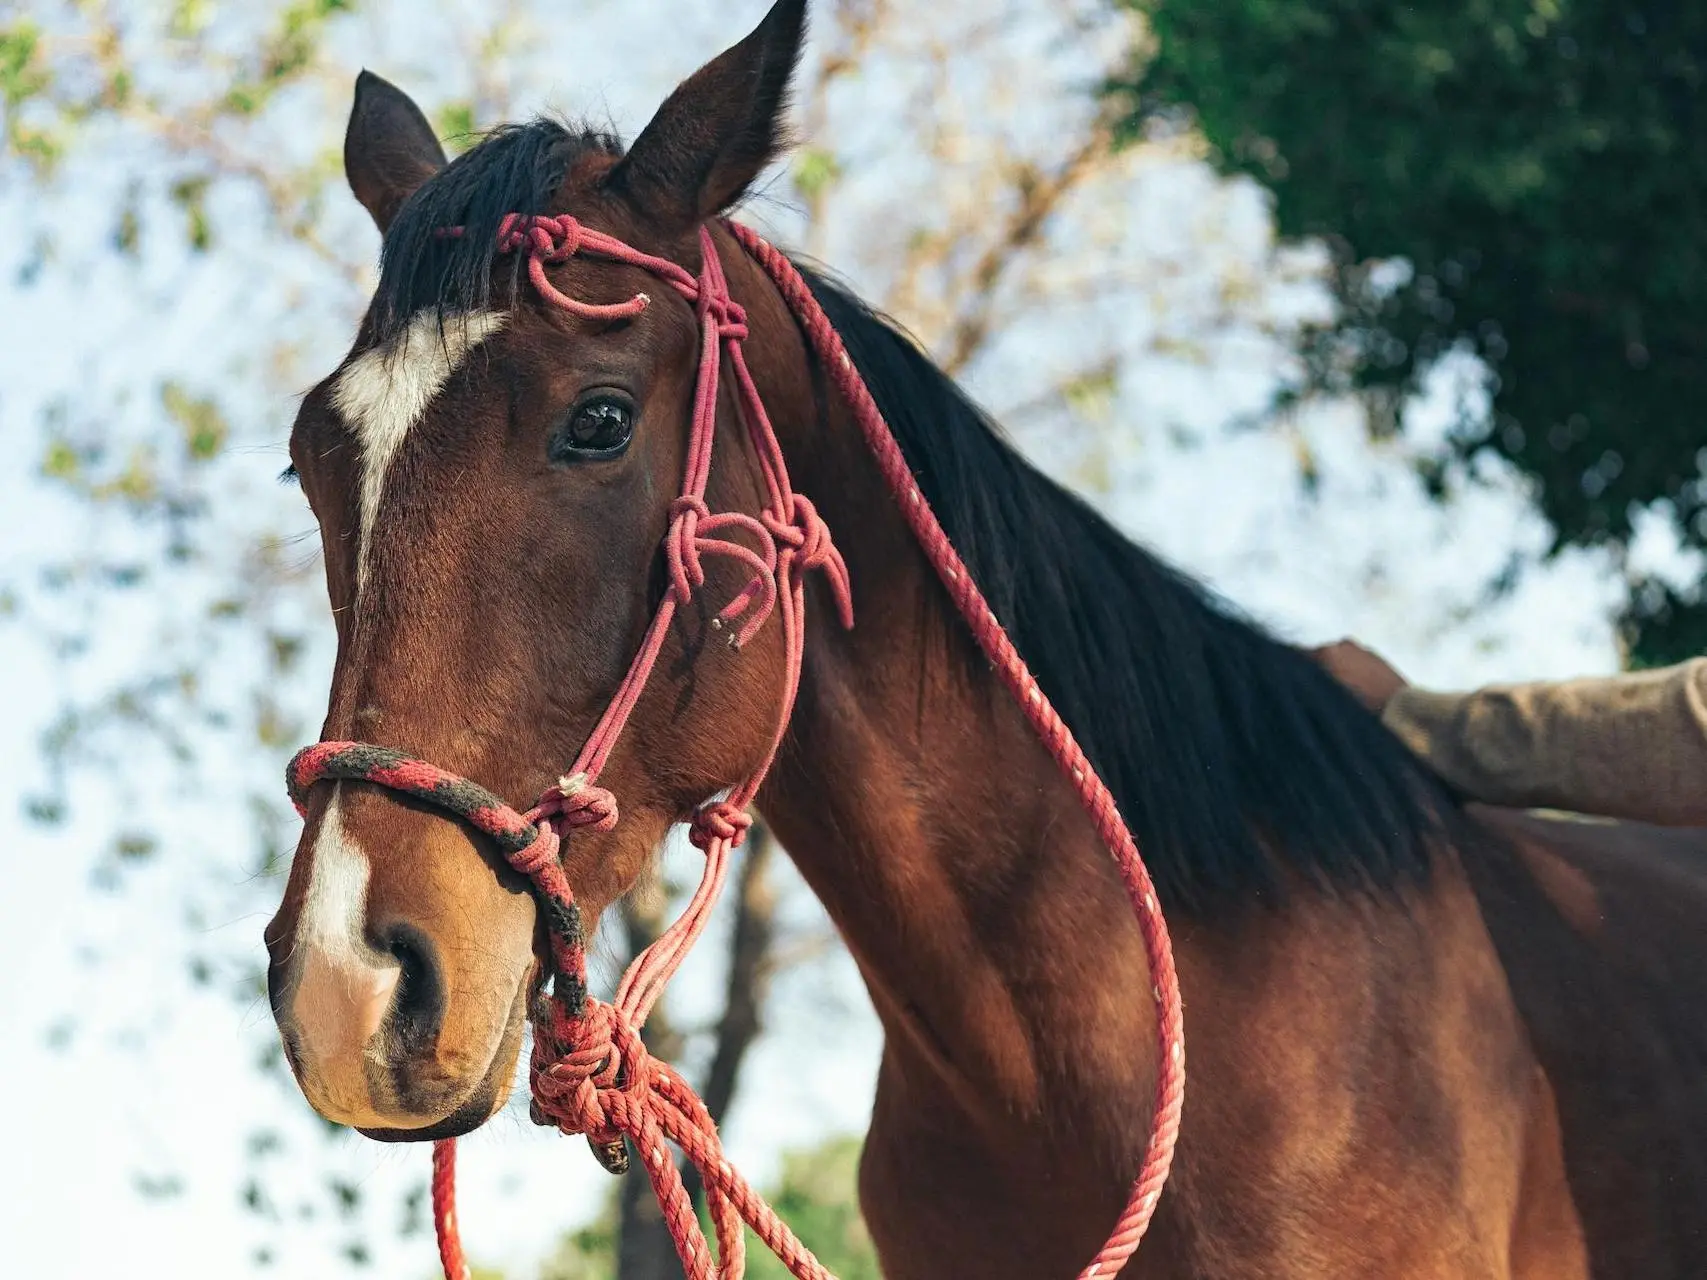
pixel 288 475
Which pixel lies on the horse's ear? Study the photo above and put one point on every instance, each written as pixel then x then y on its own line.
pixel 389 148
pixel 716 133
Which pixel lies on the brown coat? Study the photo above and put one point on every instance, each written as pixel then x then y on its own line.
pixel 1627 746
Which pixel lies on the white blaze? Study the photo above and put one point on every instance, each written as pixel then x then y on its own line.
pixel 384 392
pixel 344 987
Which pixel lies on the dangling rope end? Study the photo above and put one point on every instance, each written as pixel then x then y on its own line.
pixel 612 1156
pixel 444 1211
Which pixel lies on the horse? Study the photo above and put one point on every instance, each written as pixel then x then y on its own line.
pixel 1427 1040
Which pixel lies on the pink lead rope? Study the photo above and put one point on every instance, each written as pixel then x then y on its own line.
pixel 590 1073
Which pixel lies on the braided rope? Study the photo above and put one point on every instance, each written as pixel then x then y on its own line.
pixel 590 1072
pixel 1093 794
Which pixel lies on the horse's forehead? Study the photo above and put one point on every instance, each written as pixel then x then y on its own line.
pixel 382 393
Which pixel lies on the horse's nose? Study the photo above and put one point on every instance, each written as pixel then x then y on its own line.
pixel 418 994
pixel 399 970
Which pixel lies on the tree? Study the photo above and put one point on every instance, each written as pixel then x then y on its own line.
pixel 1540 168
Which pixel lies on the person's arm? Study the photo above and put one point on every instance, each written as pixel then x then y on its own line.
pixel 1626 746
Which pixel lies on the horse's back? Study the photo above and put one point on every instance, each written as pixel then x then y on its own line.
pixel 1602 928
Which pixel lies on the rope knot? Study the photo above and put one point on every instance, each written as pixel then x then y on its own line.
pixel 581 804
pixel 719 821
pixel 546 238
pixel 804 530
pixel 723 313
pixel 539 855
pixel 687 574
pixel 694 534
pixel 590 1076
pixel 806 535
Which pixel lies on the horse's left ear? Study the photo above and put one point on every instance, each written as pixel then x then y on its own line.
pixel 716 133
pixel 389 148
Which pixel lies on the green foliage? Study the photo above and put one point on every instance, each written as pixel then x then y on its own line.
pixel 23 79
pixel 62 461
pixel 586 1254
pixel 135 481
pixel 190 195
pixel 1541 164
pixel 815 171
pixel 455 122
pixel 188 19
pixel 22 75
pixel 817 1196
pixel 290 48
pixel 204 427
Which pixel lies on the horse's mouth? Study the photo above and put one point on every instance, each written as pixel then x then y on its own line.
pixel 464 1120
pixel 480 1104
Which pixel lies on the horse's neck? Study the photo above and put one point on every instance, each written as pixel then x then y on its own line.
pixel 973 892
pixel 1003 960
pixel 989 923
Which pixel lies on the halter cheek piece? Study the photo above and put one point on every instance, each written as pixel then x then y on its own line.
pixel 590 1074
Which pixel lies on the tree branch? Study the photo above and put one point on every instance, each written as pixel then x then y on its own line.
pixel 1038 198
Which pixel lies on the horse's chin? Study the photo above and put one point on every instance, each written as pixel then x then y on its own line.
pixel 478 1105
pixel 480 1108
pixel 485 1100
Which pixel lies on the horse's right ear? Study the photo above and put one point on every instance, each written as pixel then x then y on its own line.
pixel 389 148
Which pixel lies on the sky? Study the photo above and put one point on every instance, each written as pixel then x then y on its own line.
pixel 123 1075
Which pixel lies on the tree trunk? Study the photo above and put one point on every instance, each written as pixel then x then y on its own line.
pixel 644 1248
pixel 750 968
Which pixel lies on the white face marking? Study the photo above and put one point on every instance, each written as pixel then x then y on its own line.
pixel 382 393
pixel 344 987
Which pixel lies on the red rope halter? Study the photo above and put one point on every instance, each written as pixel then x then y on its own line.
pixel 590 1073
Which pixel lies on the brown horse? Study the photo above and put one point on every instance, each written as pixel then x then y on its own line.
pixel 1420 1047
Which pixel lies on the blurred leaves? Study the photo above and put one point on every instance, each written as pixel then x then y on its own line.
pixel 190 195
pixel 455 124
pixel 817 1195
pixel 158 1186
pixel 22 75
pixel 288 50
pixel 1540 168
pixel 815 171
pixel 204 426
pixel 23 79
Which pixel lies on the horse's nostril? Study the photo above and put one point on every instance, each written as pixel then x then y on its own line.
pixel 418 1005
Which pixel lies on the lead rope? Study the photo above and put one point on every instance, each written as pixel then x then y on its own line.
pixel 1050 728
pixel 590 1073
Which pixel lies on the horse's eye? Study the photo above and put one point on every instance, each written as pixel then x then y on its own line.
pixel 598 427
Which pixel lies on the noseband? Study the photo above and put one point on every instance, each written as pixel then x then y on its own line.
pixel 590 1074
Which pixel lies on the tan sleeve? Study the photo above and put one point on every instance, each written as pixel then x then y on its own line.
pixel 1629 746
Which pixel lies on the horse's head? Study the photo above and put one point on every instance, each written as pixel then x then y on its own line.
pixel 493 476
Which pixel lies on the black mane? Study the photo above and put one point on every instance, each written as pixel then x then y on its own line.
pixel 1234 757
pixel 1231 755
pixel 514 169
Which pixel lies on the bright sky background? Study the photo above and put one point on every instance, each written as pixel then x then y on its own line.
pixel 156 1077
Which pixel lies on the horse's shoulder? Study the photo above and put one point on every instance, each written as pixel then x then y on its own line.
pixel 1602 928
